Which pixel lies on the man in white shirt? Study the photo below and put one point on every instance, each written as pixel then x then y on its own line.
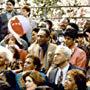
pixel 61 60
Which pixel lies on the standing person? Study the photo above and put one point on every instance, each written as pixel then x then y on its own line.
pixel 26 11
pixel 4 17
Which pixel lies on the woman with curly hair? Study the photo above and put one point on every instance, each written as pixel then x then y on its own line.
pixel 75 80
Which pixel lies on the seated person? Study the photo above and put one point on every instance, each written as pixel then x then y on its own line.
pixel 75 80
pixel 33 79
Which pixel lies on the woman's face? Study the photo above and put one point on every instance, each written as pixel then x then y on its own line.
pixel 30 85
pixel 12 41
pixel 69 83
pixel 24 12
pixel 28 65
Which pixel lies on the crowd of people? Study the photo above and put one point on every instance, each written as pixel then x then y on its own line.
pixel 42 58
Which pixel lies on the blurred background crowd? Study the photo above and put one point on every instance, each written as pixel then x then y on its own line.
pixel 44 45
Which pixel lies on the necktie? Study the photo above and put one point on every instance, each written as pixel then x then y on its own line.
pixel 60 78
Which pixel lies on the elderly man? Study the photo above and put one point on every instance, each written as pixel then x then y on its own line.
pixel 43 48
pixel 61 59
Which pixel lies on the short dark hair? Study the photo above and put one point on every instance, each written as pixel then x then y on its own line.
pixel 12 1
pixel 72 33
pixel 49 22
pixel 36 30
pixel 80 34
pixel 74 25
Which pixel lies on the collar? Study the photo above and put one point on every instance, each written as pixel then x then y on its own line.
pixel 66 67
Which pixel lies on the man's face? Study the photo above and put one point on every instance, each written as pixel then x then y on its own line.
pixel 68 41
pixel 63 24
pixel 42 38
pixel 59 58
pixel 9 7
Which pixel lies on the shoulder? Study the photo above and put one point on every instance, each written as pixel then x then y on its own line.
pixel 80 50
pixel 53 46
pixel 15 13
pixel 32 46
pixel 72 66
pixel 53 71
pixel 75 67
pixel 3 15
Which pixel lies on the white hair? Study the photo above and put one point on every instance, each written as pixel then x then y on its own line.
pixel 65 50
pixel 6 52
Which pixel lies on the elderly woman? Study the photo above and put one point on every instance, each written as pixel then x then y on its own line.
pixel 33 79
pixel 75 80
